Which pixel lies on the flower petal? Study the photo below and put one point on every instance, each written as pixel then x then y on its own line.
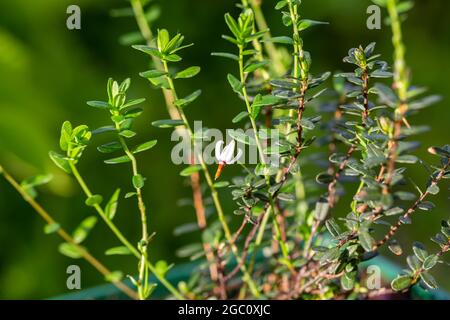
pixel 235 159
pixel 219 145
pixel 228 151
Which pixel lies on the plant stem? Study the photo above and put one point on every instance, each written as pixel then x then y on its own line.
pixel 173 112
pixel 65 235
pixel 401 84
pixel 272 52
pixel 283 245
pixel 354 201
pixel 300 71
pixel 336 176
pixel 258 241
pixel 401 73
pixel 393 230
pixel 211 186
pixel 146 32
pixel 248 106
pixel 143 245
pixel 119 234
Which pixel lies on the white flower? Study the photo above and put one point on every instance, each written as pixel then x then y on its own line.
pixel 226 155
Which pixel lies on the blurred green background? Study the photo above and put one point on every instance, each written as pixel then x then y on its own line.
pixel 47 72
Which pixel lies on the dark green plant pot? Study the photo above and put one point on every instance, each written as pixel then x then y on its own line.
pixel 182 273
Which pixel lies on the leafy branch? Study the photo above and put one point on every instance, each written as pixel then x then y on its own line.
pixel 54 227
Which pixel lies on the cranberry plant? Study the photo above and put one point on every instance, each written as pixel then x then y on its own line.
pixel 352 128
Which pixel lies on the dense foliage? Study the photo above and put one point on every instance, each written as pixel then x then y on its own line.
pixel 290 244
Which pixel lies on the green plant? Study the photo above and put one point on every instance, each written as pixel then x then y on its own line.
pixel 310 251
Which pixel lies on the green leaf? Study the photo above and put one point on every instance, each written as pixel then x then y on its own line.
pixel 440 239
pixel 401 283
pixel 321 211
pixel 125 85
pixel 110 147
pixel 324 178
pixel 307 23
pixel 413 262
pixel 185 228
pixel 69 250
pixel 188 100
pixel 286 197
pixel 150 74
pixel 281 4
pixel 188 73
pixel 172 58
pixel 82 231
pixel 148 50
pixel 410 159
pixel 37 180
pixel 261 101
pixel 419 251
pixel 395 247
pixel 114 276
pixel 226 55
pixel 255 66
pixel 130 194
pixel 381 3
pixel 127 133
pixel 66 135
pixel 366 241
pixel 132 102
pixel 103 129
pixel 282 40
pixel 381 74
pixel 169 123
pixel 333 228
pixel 394 211
pixel 61 161
pixel 439 151
pixel 256 108
pixel 221 184
pixel 133 113
pixel 230 39
pixel 138 181
pixel 428 280
pixel 405 6
pixel 144 146
pixel 161 267
pixel 425 102
pixel 93 200
pixel 430 261
pixel 426 205
pixel 348 280
pixel 330 256
pixel 318 81
pixel 235 84
pixel 99 104
pixel 163 39
pixel 286 83
pixel 51 228
pixel 111 206
pixel 121 12
pixel 121 159
pixel 190 170
pixel 160 82
pixel 242 115
pixel 233 25
pixel 122 250
pixel 242 137
pixel 189 250
pixel 433 189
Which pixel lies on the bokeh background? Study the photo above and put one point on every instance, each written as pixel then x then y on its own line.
pixel 47 72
